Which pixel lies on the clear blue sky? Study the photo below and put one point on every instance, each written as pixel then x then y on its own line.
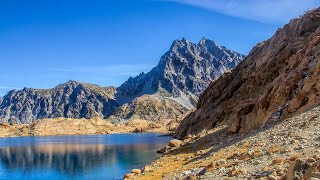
pixel 47 42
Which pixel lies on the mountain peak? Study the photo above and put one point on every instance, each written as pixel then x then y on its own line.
pixel 179 42
pixel 205 42
pixel 184 39
pixel 187 68
pixel 72 82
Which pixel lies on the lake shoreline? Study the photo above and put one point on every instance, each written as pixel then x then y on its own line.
pixel 66 126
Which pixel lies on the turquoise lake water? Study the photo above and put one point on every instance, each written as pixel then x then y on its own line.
pixel 77 157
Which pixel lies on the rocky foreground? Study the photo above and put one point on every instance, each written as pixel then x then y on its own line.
pixel 288 149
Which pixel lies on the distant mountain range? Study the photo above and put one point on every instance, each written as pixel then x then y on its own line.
pixel 71 99
pixel 167 91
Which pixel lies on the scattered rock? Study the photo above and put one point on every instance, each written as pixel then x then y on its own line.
pixel 294 157
pixel 199 171
pixel 313 172
pixel 262 174
pixel 220 162
pixel 189 136
pixel 236 171
pixel 297 169
pixel 136 171
pixel 129 176
pixel 211 165
pixel 146 169
pixel 271 177
pixel 186 173
pixel 175 143
pixel 138 130
pixel 192 177
pixel 277 161
pixel 244 156
pixel 163 150
pixel 198 153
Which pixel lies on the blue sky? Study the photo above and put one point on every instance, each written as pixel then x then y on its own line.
pixel 44 43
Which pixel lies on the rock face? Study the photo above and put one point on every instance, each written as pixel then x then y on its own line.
pixel 184 72
pixel 71 100
pixel 280 75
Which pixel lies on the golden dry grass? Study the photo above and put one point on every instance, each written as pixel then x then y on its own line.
pixel 68 126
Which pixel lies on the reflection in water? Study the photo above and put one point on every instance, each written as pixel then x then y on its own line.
pixel 78 160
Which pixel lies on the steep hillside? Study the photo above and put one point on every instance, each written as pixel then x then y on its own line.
pixel 71 100
pixel 280 77
pixel 283 150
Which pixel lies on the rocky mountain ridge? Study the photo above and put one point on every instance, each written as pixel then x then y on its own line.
pixel 280 77
pixel 172 88
pixel 71 100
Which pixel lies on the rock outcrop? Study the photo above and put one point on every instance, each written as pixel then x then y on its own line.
pixel 71 100
pixel 148 107
pixel 280 77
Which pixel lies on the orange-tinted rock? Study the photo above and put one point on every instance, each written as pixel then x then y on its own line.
pixel 175 143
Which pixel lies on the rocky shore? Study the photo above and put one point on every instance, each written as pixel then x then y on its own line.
pixel 68 126
pixel 288 149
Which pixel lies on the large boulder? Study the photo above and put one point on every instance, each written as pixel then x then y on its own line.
pixel 175 143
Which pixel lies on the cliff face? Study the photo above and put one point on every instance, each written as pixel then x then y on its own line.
pixel 186 69
pixel 279 77
pixel 72 100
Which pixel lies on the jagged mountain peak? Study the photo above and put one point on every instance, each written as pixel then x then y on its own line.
pixel 178 44
pixel 186 69
pixel 205 41
pixel 182 43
